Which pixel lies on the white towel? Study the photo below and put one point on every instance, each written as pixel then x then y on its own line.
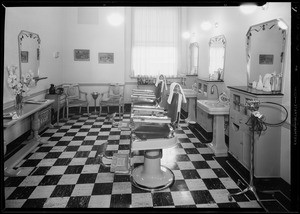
pixel 172 92
pixel 164 82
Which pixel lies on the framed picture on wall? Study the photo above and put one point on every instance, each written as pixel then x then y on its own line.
pixel 106 58
pixel 24 56
pixel 81 55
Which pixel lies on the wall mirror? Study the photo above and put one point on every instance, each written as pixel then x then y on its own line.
pixel 29 53
pixel 265 50
pixel 217 46
pixel 194 58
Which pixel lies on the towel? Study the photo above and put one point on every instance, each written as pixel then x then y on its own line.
pixel 172 92
pixel 164 82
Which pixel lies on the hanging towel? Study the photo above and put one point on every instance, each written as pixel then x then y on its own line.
pixel 172 92
pixel 164 82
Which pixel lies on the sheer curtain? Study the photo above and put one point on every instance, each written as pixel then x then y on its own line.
pixel 155 41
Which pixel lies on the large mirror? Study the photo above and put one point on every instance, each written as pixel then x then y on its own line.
pixel 265 51
pixel 29 53
pixel 194 58
pixel 217 46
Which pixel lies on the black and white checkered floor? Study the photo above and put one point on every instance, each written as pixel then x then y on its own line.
pixel 66 172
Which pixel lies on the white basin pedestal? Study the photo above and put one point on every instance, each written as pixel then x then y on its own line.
pixel 191 95
pixel 218 110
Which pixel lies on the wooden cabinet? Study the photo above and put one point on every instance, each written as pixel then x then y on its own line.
pixel 267 145
pixel 59 102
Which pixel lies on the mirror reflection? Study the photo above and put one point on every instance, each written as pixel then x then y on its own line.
pixel 217 47
pixel 265 54
pixel 29 53
pixel 194 58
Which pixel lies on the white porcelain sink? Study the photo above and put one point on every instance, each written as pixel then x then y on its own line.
pixel 213 106
pixel 189 92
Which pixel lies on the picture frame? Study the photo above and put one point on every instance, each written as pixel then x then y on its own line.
pixel 106 58
pixel 24 56
pixel 81 55
pixel 266 59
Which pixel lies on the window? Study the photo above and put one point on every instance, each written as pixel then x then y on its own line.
pixel 155 41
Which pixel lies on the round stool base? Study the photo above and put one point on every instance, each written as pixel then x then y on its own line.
pixel 148 182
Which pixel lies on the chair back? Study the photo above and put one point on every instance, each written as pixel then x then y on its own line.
pixel 115 91
pixel 173 108
pixel 72 91
pixel 158 91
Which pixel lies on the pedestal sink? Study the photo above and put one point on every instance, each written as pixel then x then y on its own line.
pixel 218 110
pixel 191 96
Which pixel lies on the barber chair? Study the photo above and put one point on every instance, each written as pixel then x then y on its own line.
pixel 152 133
pixel 148 97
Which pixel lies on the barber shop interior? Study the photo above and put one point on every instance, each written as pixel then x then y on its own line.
pixel 187 107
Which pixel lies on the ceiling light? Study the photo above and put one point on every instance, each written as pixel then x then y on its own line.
pixel 248 8
pixel 115 19
pixel 206 25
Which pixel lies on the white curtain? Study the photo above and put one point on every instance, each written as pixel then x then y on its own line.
pixel 155 41
pixel 216 61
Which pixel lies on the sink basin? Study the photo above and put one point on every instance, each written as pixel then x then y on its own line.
pixel 189 92
pixel 213 106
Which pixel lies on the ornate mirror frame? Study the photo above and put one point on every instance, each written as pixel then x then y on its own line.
pixel 265 49
pixel 217 42
pixel 194 58
pixel 29 53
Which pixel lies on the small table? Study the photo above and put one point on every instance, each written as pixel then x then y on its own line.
pixel 95 96
pixel 59 102
pixel 32 111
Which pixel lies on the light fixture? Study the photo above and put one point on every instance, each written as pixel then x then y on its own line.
pixel 115 19
pixel 248 8
pixel 282 25
pixel 186 35
pixel 206 25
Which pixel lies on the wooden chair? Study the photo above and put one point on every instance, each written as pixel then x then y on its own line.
pixel 114 96
pixel 75 97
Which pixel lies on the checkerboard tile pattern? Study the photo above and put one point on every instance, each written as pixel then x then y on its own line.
pixel 66 172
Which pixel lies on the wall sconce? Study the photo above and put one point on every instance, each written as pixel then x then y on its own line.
pixel 115 19
pixel 282 25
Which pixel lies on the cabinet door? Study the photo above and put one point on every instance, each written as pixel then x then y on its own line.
pixel 235 139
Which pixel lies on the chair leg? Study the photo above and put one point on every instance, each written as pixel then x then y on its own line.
pixel 63 112
pixel 80 109
pixel 88 109
pixel 67 112
pixel 100 110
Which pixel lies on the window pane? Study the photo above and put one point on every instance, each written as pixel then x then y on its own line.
pixel 155 41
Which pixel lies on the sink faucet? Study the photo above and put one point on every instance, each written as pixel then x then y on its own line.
pixel 212 90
